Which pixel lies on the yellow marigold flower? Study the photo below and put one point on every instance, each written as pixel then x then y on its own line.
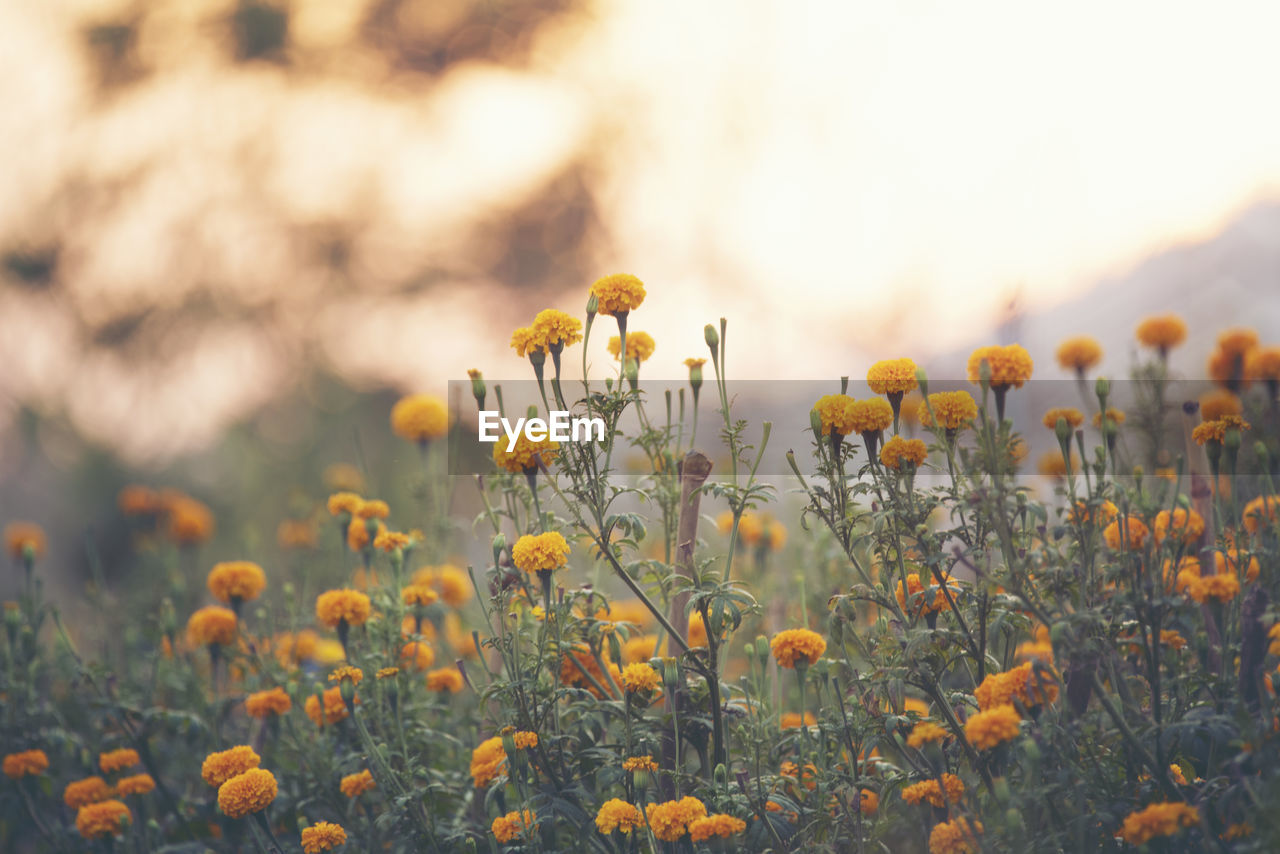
pixel 488 761
pixel 618 293
pixel 871 415
pixel 793 646
pixel 373 508
pixel 1022 683
pixel 389 541
pixel 1220 588
pixel 1238 340
pixel 993 727
pixel 322 836
pixel 953 410
pixel 273 701
pixel 1162 331
pixel 221 766
pixel 618 815
pixel 90 790
pixel 836 413
pixel 336 606
pixel 640 648
pixel 25 763
pixel 451 583
pixel 930 791
pixel 512 826
pixel 925 732
pixel 21 536
pixel 1218 403
pixel 792 720
pixel 138 500
pixel 355 785
pixel 1216 431
pixel 697 631
pixel 355 674
pixel 1053 465
pixel 1263 364
pixel 344 502
pixel 387 673
pixel 1079 354
pixel 358 535
pixel 910 408
pixel 1260 512
pixel 923 605
pixel 523 341
pixel 118 760
pixel 540 552
pixel 1173 640
pixel 750 529
pixel 646 763
pixel 898 450
pixel 211 625
pixel 444 680
pixel 1158 820
pixel 670 820
pixel 1010 365
pixel 189 522
pixel 524 457
pixel 1073 417
pixel 250 792
pixel 640 345
pixel 576 666
pixel 296 534
pixel 1035 651
pixel 420 418
pixel 525 740
pixel 103 819
pixel 957 836
pixel 1185 525
pixel 334 708
pixel 720 825
pixel 808 778
pixel 1126 533
pixel 694 363
pixel 419 594
pixel 137 784
pixel 418 655
pixel 892 376
pixel 1099 515
pixel 639 677
pixel 1115 416
pixel 236 580
pixel 868 802
pixel 553 327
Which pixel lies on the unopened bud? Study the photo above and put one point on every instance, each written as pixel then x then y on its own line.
pixel 478 389
pixel 712 337
pixel 922 380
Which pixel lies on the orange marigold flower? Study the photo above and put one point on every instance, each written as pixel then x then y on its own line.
pixel 808 778
pixel 992 727
pixel 138 500
pixel 670 820
pixel 868 802
pixel 452 583
pixel 21 537
pixel 930 791
pixel 118 760
pixel 389 541
pixel 1010 365
pixel 957 836
pixel 419 594
pixel 793 646
pixel 358 535
pixel 420 418
pixel 792 720
pixel 322 836
pixel 334 708
pixel 952 410
pixel 296 534
pixel 26 763
pixel 190 522
pixel 373 508
pixel 488 761
pixel 387 673
pixel 103 819
pixel 1220 588
pixel 639 677
pixel 525 456
pixel 136 784
pixel 1079 354
pixel 552 327
pixel 250 792
pixel 535 552
pixel 1115 416
pixel 90 790
pixel 1218 403
pixel 1158 820
pixel 835 411
pixel 898 450
pixel 236 580
pixel 355 674
pixel 646 763
pixel 211 625
pixel 446 679
pixel 871 415
pixel 720 825
pixel 923 605
pixel 512 826
pixel 336 606
pixel 418 655
pixel 1070 414
pixel 525 740
pixel 1128 533
pixel 925 732
pixel 618 293
pixel 344 502
pixel 892 376
pixel 273 701
pixel 1216 431
pixel 618 815
pixel 640 345
pixel 1186 525
pixel 355 785
pixel 1263 364
pixel 1162 331
pixel 221 766
pixel 1238 340
pixel 1024 683
pixel 1260 512
pixel 1100 514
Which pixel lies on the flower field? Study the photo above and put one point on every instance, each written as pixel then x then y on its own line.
pixel 917 643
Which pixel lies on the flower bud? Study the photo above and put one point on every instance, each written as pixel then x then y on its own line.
pixel 815 422
pixel 1000 789
pixel 762 647
pixel 347 690
pixel 670 673
pixel 478 389
pixel 712 338
pixel 1062 430
pixel 499 544
pixel 922 380
pixel 1102 388
pixel 695 377
pixel 593 306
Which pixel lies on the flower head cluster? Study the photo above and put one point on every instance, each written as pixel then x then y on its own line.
pixel 835 411
pixel 640 346
pixel 90 790
pixel 221 766
pixel 992 727
pixel 792 647
pixel 1127 533
pixel 952 410
pixel 1010 365
pixel 188 522
pixel 135 784
pixel 1221 587
pixel 26 763
pixel 450 582
pixel 263 704
pixel 1114 416
pixel 355 674
pixel 898 450
pixel 646 763
pixel 237 580
pixel 1183 525
pixel 892 376
pixel 1263 364
pixel 925 732
pixel 720 825
pixel 488 761
pixel 103 819
pixel 512 826
pixel 639 677
pixel 355 785
pixel 446 679
pixel 1079 354
pixel 419 594
pixel 618 815
pixel 250 792
pixel 338 606
pixel 420 418
pixel 524 457
pixel 418 655
pixel 211 625
pixel 618 293
pixel 1218 403
pixel 1158 820
pixel 1029 685
pixel 1162 331
pixel 670 820
pixel 1074 417
pixel 1216 431
pixel 930 791
pixel 118 760
pixel 334 709
pixel 1260 512
pixel 535 552
pixel 322 836
pixel 343 503
pixel 923 604
pixel 871 415
pixel 957 836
